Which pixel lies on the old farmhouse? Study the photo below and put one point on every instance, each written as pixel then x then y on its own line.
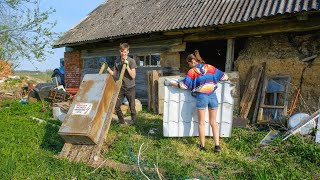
pixel 232 35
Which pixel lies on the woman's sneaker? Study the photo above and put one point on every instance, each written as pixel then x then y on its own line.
pixel 202 148
pixel 217 149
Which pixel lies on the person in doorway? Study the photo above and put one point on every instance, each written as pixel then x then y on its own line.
pixel 128 82
pixel 202 80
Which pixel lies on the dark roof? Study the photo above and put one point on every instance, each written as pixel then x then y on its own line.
pixel 117 18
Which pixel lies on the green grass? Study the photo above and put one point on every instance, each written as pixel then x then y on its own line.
pixel 28 149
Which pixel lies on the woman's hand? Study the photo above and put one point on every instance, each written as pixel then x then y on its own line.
pixel 169 82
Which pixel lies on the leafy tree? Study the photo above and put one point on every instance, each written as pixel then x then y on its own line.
pixel 25 31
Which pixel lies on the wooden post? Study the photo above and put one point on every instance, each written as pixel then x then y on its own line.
pixel 152 89
pixel 155 78
pixel 149 89
pixel 230 55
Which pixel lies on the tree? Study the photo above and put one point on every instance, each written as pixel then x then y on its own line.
pixel 25 31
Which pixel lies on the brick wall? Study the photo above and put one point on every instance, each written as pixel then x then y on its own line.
pixel 73 66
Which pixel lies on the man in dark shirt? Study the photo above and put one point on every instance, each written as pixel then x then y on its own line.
pixel 128 82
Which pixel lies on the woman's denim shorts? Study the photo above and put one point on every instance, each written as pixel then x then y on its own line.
pixel 205 100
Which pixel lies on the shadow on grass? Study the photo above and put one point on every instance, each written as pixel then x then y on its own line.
pixel 152 127
pixel 51 140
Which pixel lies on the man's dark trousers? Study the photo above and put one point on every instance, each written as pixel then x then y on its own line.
pixel 130 93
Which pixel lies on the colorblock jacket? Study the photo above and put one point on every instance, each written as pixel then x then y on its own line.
pixel 202 78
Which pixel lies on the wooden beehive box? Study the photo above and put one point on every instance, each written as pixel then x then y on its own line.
pixel 91 105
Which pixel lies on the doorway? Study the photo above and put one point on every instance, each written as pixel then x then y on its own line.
pixel 213 52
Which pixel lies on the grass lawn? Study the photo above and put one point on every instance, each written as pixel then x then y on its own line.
pixel 28 149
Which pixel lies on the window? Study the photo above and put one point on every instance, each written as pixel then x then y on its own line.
pixel 140 60
pixel 149 60
pixel 96 63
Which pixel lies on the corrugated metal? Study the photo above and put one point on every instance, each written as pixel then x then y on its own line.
pixel 129 17
pixel 180 115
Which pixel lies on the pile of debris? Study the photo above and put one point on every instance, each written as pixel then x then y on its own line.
pixel 271 107
pixel 10 87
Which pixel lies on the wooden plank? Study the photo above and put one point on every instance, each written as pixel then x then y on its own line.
pixel 102 68
pixel 152 93
pixel 152 89
pixel 250 90
pixel 230 55
pixel 65 150
pixel 309 58
pixel 155 78
pixel 255 113
pixel 149 89
pixel 272 107
pixel 106 126
pixel 156 90
pixel 262 100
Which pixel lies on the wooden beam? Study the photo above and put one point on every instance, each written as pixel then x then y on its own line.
pixel 309 58
pixel 230 55
pixel 263 29
pixel 173 45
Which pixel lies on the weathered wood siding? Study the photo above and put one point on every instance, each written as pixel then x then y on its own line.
pixel 141 80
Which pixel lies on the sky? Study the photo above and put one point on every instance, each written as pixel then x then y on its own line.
pixel 68 14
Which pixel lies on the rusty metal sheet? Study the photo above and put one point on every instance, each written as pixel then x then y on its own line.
pixel 85 118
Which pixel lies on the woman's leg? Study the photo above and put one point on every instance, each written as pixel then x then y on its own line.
pixel 201 120
pixel 214 125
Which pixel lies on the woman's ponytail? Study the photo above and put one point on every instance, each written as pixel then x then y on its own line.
pixel 198 57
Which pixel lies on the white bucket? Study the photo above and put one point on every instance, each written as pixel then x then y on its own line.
pixel 295 119
pixel 58 114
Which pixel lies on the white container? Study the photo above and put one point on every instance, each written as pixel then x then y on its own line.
pixel 180 117
pixel 58 114
pixel 295 119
